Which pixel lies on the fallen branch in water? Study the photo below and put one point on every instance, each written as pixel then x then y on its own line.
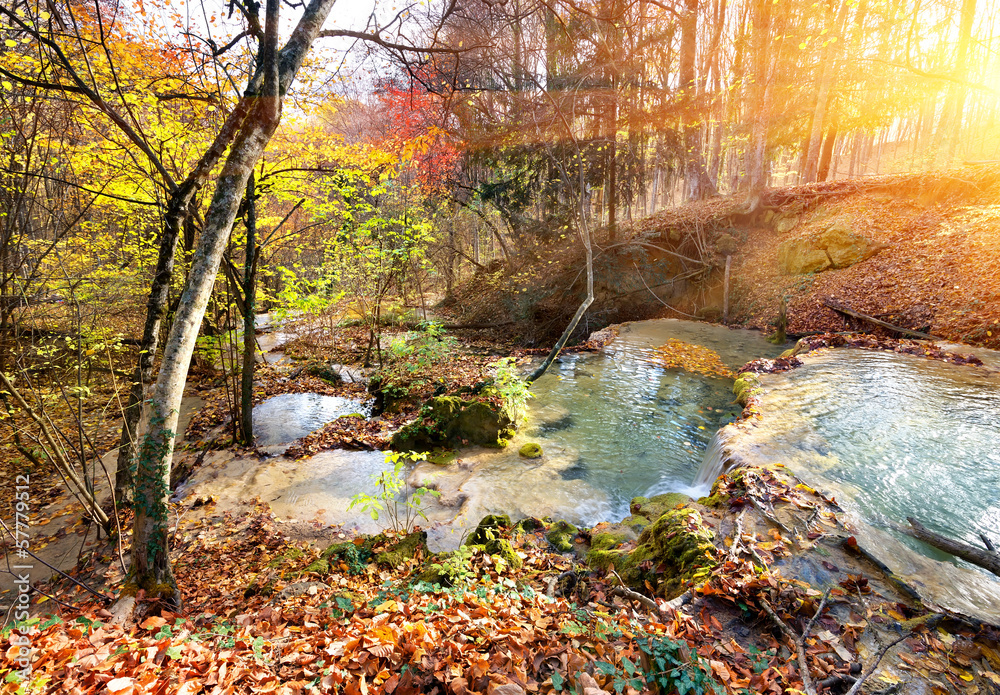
pixel 982 558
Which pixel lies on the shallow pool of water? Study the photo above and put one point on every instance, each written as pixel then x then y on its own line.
pixel 612 426
pixel 285 418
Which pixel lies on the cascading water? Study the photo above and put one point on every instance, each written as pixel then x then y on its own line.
pixel 712 466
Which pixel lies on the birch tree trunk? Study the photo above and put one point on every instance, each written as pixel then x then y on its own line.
pixel 150 562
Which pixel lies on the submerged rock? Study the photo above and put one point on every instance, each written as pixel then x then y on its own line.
pixel 530 451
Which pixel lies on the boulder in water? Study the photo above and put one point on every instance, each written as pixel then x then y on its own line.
pixel 450 421
pixel 530 451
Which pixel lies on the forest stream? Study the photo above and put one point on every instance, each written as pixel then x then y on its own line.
pixel 889 435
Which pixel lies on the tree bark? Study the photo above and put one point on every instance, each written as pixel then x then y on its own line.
pixel 150 569
pixel 826 156
pixel 249 323
pixel 761 20
pixel 698 184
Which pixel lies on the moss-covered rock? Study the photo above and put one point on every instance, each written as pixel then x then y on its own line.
pixel 530 451
pixel 528 525
pixel 716 498
pixel 745 387
pixel 319 566
pixel 636 522
pixel 561 535
pixel 402 550
pixel 490 538
pixel 351 556
pixel 287 559
pixel 450 421
pixel 607 540
pixel 325 371
pixel 490 527
pixel 503 549
pixel 261 585
pixel 674 552
pixel 653 507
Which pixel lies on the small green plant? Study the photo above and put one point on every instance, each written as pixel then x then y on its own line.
pixel 666 666
pixel 512 388
pixel 402 507
pixel 457 567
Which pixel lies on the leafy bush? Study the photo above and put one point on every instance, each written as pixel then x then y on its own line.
pixel 514 390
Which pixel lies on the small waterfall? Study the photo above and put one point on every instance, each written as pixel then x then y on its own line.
pixel 712 465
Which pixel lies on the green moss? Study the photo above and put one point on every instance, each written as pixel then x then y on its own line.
pixel 561 535
pixel 490 527
pixel 449 421
pixel 607 541
pixel 745 387
pixel 528 525
pixel 715 501
pixel 673 552
pixel 258 586
pixel 530 451
pixel 319 566
pixel 636 522
pixel 442 457
pixel 502 548
pixel 489 537
pixel 405 549
pixel 287 557
pixel 358 416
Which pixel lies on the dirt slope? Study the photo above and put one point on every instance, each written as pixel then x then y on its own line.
pixel 938 268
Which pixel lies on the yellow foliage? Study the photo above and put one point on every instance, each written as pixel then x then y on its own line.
pixel 677 354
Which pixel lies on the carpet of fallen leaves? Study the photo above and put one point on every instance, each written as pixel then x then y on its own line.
pixel 938 270
pixel 503 632
pixel 676 354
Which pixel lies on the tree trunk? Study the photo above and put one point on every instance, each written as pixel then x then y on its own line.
pixel 249 319
pixel 959 90
pixel 155 309
pixel 150 563
pixel 698 184
pixel 827 153
pixel 760 101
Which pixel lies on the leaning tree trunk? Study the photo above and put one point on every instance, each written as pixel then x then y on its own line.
pixel 150 568
pixel 588 300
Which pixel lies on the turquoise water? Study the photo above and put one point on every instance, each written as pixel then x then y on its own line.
pixel 903 436
pixel 612 426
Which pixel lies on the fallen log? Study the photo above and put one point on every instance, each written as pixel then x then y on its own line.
pixel 981 558
pixel 878 322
